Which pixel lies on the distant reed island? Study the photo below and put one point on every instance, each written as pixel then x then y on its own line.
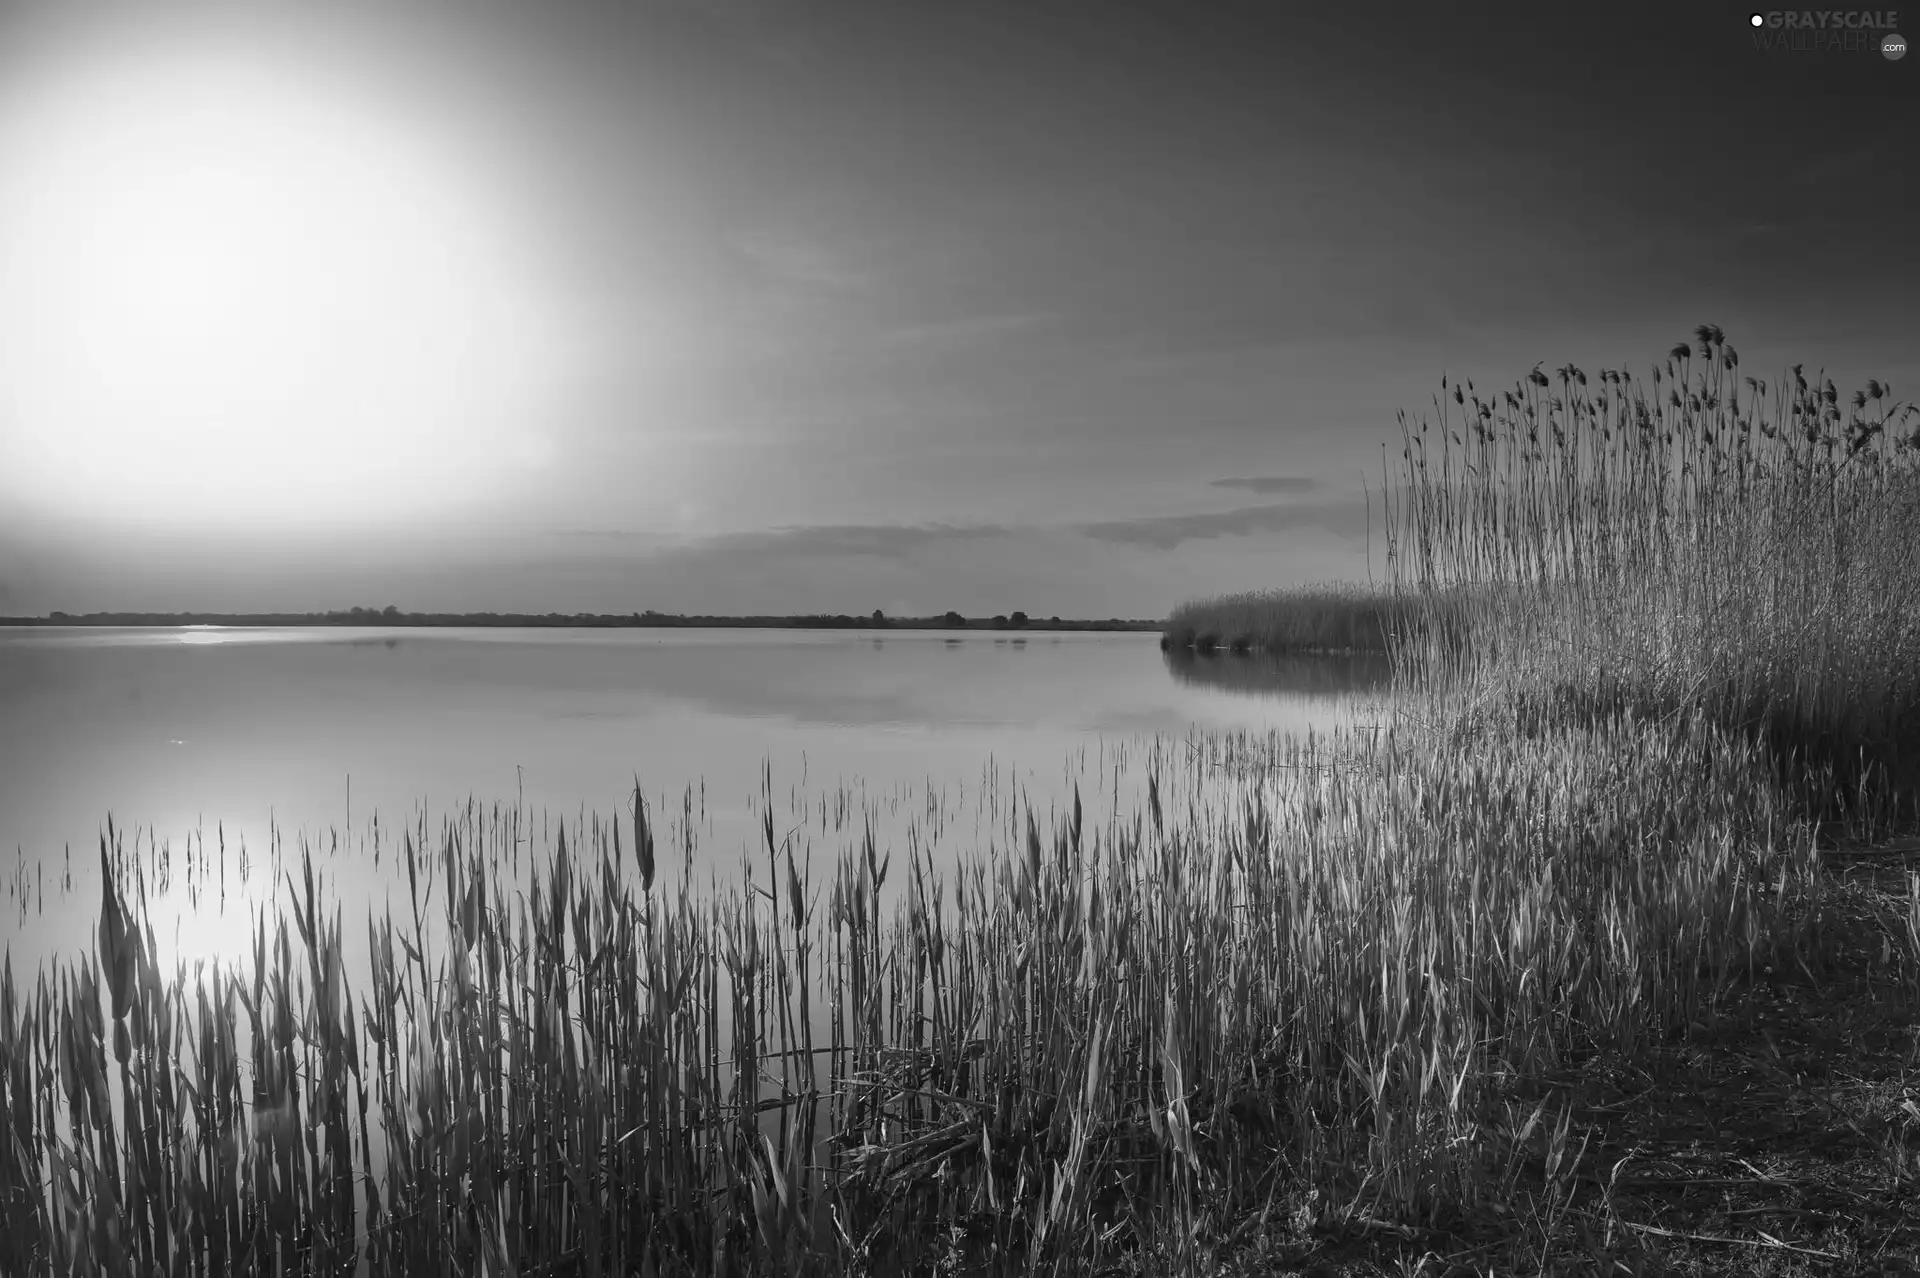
pixel 1334 619
pixel 1337 618
pixel 392 616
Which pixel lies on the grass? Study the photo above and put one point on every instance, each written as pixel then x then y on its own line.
pixel 1288 997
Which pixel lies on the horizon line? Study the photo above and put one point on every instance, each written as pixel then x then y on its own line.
pixel 642 618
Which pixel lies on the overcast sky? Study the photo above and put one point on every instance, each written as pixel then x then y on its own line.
pixel 746 306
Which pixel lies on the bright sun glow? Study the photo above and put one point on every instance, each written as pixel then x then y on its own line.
pixel 228 298
pixel 205 931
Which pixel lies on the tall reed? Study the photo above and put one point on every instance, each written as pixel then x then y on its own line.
pixel 1708 540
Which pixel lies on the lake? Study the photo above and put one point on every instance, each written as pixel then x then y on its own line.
pixel 195 739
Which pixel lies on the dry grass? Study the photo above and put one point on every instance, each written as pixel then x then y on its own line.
pixel 1304 991
pixel 1777 1136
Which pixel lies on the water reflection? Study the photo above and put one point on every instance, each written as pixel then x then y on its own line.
pixel 298 730
pixel 1279 674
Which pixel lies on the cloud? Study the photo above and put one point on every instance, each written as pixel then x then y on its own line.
pixel 626 536
pixel 1269 483
pixel 1344 518
pixel 829 540
pixel 786 543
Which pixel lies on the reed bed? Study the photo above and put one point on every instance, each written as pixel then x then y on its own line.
pixel 1335 961
pixel 1341 966
pixel 1706 540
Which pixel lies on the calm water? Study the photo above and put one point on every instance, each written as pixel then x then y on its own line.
pixel 228 733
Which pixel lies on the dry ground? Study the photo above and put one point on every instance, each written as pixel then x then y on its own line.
pixel 1782 1138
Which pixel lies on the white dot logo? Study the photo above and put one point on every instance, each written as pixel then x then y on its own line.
pixel 1758 20
pixel 1894 46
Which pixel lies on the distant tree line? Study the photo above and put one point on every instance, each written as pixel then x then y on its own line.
pixel 393 616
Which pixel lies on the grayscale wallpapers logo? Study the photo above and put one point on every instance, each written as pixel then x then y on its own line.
pixel 1829 31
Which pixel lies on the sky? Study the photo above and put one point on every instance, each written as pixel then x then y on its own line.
pixel 775 306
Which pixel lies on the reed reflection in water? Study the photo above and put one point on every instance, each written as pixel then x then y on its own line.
pixel 1361 674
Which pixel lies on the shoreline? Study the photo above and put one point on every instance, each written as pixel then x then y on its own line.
pixel 573 621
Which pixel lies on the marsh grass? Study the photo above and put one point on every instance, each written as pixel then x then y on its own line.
pixel 1313 981
pixel 1331 961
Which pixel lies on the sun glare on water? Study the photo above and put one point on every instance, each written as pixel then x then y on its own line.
pixel 228 292
pixel 207 931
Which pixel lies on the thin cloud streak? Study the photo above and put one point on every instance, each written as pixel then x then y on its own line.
pixel 1269 483
pixel 830 540
pixel 1344 518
